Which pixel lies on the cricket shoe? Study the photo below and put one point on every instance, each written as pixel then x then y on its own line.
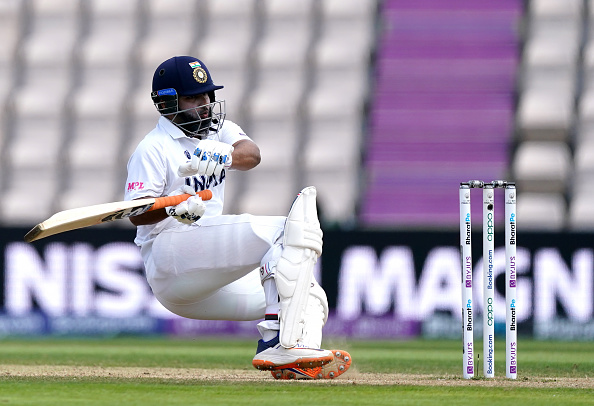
pixel 338 366
pixel 271 356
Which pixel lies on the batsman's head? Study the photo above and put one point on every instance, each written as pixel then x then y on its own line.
pixel 184 92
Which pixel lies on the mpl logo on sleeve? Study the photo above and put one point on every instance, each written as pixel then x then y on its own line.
pixel 135 186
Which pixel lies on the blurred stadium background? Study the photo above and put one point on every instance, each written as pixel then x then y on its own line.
pixel 383 105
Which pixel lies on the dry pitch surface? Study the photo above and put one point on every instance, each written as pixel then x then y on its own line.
pixel 352 377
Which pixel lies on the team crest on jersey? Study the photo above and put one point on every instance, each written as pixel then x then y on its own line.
pixel 200 75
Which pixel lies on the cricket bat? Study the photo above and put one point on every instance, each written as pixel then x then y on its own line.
pixel 81 217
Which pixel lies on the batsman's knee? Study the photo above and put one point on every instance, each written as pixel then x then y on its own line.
pixel 267 271
pixel 302 227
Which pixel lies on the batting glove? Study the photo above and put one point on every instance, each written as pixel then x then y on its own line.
pixel 188 211
pixel 209 158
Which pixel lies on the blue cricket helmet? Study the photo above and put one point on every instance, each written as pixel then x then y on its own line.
pixel 186 76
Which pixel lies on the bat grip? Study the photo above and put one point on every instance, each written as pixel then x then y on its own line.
pixel 166 201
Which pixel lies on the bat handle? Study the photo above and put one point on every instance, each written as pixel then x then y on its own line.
pixel 166 201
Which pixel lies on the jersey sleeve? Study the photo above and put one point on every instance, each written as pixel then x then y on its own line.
pixel 231 133
pixel 146 172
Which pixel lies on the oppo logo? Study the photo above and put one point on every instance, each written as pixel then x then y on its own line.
pixel 490 226
pixel 490 311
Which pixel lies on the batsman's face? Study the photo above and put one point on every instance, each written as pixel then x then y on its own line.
pixel 194 115
pixel 192 106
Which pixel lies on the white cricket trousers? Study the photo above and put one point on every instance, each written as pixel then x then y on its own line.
pixel 210 270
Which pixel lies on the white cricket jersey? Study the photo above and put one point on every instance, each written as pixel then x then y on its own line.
pixel 152 171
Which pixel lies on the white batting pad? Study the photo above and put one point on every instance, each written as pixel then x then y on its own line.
pixel 316 315
pixel 294 272
pixel 302 228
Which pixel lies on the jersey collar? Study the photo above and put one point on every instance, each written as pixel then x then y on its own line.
pixel 170 128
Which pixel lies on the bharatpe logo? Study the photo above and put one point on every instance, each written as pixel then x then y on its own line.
pixel 467 220
pixel 512 229
pixel 512 308
pixel 469 315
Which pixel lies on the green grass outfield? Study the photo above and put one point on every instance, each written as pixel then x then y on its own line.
pixel 157 371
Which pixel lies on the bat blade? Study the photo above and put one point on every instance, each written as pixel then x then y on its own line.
pixel 81 217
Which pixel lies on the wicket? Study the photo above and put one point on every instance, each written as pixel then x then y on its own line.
pixel 488 279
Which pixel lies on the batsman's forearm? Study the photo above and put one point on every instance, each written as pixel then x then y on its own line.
pixel 157 212
pixel 150 217
pixel 246 155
